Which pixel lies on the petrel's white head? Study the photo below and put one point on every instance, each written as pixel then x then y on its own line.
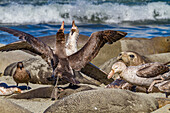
pixel 117 67
pixel 74 33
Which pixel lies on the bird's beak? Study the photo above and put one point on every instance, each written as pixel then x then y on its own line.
pixel 110 74
pixel 62 27
pixel 73 29
pixel 73 24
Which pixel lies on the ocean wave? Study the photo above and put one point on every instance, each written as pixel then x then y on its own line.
pixel 83 12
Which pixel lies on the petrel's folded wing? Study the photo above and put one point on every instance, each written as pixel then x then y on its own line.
pixel 97 40
pixel 152 70
pixel 39 46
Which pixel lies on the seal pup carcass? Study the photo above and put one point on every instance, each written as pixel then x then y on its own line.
pixel 9 91
pixel 21 75
pixel 63 65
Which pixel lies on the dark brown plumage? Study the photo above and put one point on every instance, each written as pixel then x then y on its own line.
pixel 62 65
pixel 21 75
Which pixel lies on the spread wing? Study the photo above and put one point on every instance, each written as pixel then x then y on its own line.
pixel 19 45
pixel 44 50
pixel 152 70
pixel 97 40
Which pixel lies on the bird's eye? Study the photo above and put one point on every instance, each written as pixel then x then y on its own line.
pixel 131 56
pixel 120 54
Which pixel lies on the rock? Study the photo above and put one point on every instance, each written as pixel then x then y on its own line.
pixel 162 57
pixel 105 101
pixel 7 106
pixel 42 92
pixel 107 66
pixel 163 101
pixel 6 58
pixel 140 45
pixel 68 91
pixel 165 109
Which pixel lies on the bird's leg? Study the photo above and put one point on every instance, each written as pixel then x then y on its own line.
pixel 126 86
pixel 17 84
pixel 147 91
pixel 55 90
pixel 167 94
pixel 153 83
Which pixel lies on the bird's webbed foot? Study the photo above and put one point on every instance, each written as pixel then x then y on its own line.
pixel 152 85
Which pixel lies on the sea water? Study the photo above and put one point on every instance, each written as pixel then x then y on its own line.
pixel 139 18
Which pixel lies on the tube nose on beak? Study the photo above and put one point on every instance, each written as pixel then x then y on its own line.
pixel 110 74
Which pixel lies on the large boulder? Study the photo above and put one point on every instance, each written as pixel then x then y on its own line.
pixel 7 106
pixel 162 57
pixel 6 58
pixel 165 109
pixel 142 46
pixel 104 101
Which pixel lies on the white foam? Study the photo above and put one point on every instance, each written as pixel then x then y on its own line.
pixel 83 12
